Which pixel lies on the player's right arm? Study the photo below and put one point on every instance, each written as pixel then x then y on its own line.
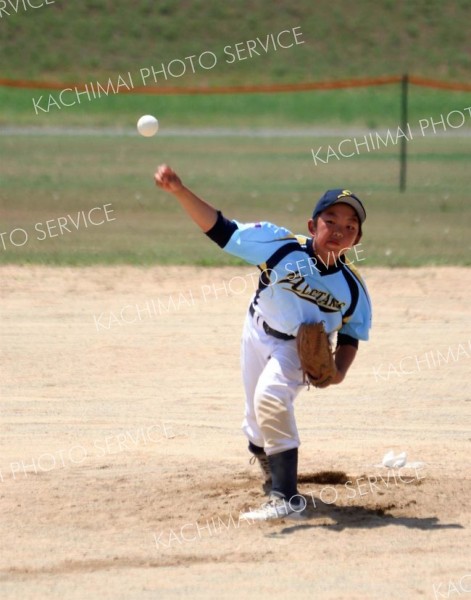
pixel 253 242
pixel 202 213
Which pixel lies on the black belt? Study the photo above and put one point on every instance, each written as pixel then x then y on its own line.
pixel 269 331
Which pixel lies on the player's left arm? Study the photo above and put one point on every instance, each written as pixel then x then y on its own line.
pixel 344 357
pixel 354 329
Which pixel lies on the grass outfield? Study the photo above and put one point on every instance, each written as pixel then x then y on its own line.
pixel 376 107
pixel 75 41
pixel 46 177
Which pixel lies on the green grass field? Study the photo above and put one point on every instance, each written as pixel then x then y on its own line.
pixel 46 177
pixel 374 107
pixel 275 179
pixel 79 41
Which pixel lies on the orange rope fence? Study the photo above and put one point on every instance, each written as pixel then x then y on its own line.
pixel 440 85
pixel 246 89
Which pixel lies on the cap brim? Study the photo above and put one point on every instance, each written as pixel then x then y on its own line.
pixel 355 204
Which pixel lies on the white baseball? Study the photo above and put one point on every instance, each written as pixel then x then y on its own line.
pixel 148 125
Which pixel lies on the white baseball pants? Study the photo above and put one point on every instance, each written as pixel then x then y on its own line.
pixel 272 379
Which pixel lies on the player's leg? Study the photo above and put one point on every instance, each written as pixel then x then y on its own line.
pixel 277 387
pixel 255 353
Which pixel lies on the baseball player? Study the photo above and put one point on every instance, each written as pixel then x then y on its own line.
pixel 302 280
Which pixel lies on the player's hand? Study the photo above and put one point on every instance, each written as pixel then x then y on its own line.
pixel 324 384
pixel 338 378
pixel 167 179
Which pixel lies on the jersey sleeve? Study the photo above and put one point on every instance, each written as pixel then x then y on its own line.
pixel 359 324
pixel 346 340
pixel 253 242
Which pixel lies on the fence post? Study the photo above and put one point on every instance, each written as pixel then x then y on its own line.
pixel 404 118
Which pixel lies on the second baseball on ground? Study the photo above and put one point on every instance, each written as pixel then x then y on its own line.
pixel 148 125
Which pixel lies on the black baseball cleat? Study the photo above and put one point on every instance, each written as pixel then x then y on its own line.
pixel 261 458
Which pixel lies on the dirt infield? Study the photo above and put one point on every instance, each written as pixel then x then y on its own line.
pixel 123 468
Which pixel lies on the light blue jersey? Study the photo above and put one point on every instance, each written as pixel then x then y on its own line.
pixel 295 286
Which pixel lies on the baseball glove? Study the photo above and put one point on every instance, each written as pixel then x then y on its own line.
pixel 315 354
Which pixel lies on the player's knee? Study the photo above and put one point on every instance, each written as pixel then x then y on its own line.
pixel 269 409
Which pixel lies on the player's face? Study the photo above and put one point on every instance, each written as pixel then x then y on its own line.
pixel 336 231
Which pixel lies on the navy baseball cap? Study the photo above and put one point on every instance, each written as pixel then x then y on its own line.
pixel 332 197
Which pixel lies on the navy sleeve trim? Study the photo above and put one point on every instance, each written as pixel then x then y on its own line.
pixel 275 258
pixel 354 292
pixel 346 340
pixel 221 232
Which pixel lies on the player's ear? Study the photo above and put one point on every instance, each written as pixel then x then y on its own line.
pixel 360 233
pixel 311 225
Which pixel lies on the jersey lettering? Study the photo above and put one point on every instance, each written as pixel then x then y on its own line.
pixel 297 284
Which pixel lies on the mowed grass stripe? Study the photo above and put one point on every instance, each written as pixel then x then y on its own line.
pixel 249 179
